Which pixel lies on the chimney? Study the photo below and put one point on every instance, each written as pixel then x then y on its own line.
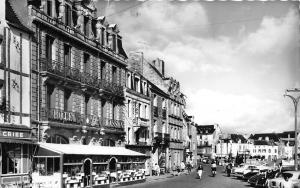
pixel 163 68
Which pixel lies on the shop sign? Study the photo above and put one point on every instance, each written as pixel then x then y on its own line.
pixel 74 117
pixel 13 134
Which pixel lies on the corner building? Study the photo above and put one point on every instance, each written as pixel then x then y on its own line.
pixel 77 101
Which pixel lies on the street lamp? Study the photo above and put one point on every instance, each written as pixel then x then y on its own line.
pixel 295 102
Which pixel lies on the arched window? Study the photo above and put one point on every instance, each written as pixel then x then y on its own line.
pixel 57 139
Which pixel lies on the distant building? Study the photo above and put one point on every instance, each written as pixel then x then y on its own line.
pixel 265 145
pixel 207 140
pixel 231 145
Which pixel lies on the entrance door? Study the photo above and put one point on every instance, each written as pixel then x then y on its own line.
pixel 87 172
pixel 112 165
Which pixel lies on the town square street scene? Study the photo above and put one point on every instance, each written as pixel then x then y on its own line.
pixel 149 93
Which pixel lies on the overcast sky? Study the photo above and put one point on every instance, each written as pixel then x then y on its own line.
pixel 233 60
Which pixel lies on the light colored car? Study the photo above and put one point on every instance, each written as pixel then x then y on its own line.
pixel 285 180
pixel 241 171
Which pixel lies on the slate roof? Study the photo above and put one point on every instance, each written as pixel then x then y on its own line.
pixel 236 137
pixel 205 129
pixel 263 136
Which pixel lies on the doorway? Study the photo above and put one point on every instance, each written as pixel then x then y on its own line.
pixel 87 172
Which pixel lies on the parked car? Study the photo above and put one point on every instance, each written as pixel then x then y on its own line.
pixel 253 180
pixel 285 180
pixel 264 180
pixel 248 175
pixel 240 172
pixel 205 160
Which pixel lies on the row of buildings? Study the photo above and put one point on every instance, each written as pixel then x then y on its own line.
pixel 212 143
pixel 72 101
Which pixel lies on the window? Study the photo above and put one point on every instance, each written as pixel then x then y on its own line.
pixel 67 101
pixel 94 30
pixel 57 139
pixel 50 52
pixel 102 69
pixel 137 84
pixel 102 36
pixel 275 150
pixel 86 26
pixel 86 63
pixel 129 108
pixel 108 142
pixel 87 104
pixel 114 75
pixel 49 8
pixel 154 100
pixel 67 56
pixel 140 111
pixel 145 112
pixel 129 81
pixel 50 96
pixel 68 15
pixel 103 109
pixel 114 43
pixel 114 111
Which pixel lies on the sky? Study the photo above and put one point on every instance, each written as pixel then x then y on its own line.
pixel 234 60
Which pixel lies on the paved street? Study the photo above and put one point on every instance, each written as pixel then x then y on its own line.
pixel 192 181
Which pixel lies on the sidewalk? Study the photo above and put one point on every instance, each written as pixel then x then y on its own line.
pixel 155 178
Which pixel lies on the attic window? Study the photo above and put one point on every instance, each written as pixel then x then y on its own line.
pixel 206 131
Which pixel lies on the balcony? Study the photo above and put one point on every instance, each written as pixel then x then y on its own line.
pixel 142 122
pixel 61 71
pixel 155 111
pixel 74 118
pixel 71 31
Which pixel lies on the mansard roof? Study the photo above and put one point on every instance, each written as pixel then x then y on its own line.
pixel 205 129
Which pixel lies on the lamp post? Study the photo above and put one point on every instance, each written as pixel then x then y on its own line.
pixel 295 102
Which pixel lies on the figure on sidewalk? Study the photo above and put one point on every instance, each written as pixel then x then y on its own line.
pixel 157 169
pixel 200 170
pixel 174 169
pixel 182 166
pixel 189 167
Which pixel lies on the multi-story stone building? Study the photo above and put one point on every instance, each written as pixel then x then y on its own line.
pixel 155 72
pixel 207 139
pixel 16 138
pixel 178 130
pixel 138 115
pixel 77 94
pixel 190 139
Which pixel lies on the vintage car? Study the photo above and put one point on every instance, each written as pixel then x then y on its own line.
pixel 286 179
pixel 241 171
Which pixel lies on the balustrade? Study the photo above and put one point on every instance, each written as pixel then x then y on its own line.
pixel 72 73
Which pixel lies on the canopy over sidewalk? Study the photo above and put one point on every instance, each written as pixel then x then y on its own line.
pixel 74 149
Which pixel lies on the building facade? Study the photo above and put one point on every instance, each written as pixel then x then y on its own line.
pixel 138 116
pixel 78 69
pixel 207 140
pixel 16 136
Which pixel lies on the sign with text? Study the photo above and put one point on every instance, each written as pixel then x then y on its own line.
pixel 8 133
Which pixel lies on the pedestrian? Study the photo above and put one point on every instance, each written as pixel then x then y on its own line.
pixel 200 170
pixel 189 167
pixel 174 169
pixel 182 166
pixel 157 169
pixel 228 170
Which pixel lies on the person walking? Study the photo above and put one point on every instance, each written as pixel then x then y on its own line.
pixel 189 167
pixel 174 169
pixel 157 169
pixel 200 170
pixel 182 166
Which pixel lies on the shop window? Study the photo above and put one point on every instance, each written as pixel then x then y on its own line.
pixel 13 160
pixel 57 139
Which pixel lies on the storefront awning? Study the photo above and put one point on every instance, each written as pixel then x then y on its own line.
pixel 74 149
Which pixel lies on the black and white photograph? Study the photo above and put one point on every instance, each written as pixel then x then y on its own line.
pixel 149 94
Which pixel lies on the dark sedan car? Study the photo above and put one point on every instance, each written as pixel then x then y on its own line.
pixel 249 175
pixel 252 181
pixel 263 181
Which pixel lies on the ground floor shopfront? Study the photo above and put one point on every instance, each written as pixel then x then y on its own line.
pixel 16 148
pixel 75 165
pixel 176 153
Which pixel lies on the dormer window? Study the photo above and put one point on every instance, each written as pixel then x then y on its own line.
pixel 86 26
pixel 137 84
pixel 129 80
pixel 49 8
pixel 68 15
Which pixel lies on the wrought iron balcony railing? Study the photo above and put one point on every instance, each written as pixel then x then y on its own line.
pixel 65 71
pixel 76 118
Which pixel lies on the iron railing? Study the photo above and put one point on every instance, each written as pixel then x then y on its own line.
pixel 77 118
pixel 66 71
